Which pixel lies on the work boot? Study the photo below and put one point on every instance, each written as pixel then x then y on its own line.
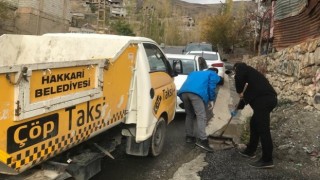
pixel 204 144
pixel 190 139
pixel 261 164
pixel 246 154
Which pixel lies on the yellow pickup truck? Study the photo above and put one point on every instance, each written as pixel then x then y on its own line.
pixel 60 90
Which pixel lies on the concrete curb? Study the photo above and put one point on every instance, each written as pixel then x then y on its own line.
pixel 225 102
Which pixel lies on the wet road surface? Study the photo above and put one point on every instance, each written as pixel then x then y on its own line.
pixel 175 153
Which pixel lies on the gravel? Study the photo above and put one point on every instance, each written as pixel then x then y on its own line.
pixel 296 137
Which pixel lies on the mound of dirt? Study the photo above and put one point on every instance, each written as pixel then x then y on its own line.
pixel 295 130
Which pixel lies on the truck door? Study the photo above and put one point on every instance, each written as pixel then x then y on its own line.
pixel 162 82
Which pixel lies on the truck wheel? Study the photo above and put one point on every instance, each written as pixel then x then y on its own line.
pixel 158 136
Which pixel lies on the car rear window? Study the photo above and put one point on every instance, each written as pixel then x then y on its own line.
pixel 199 47
pixel 207 56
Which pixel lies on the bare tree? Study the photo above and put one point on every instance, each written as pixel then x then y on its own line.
pixel 227 29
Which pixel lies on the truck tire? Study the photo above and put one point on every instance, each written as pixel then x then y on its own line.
pixel 158 136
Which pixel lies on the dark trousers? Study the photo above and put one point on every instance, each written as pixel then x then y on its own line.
pixel 196 115
pixel 260 126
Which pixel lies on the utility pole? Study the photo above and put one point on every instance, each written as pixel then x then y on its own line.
pixel 255 27
pixel 101 18
pixel 40 9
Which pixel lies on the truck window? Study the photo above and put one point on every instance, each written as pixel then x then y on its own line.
pixel 157 60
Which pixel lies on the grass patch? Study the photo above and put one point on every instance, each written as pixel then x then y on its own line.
pixel 284 102
pixel 245 133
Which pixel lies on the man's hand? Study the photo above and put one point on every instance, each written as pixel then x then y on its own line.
pixel 244 89
pixel 234 113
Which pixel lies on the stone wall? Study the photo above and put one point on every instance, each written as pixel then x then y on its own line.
pixel 37 17
pixel 294 72
pixel 34 21
pixel 56 8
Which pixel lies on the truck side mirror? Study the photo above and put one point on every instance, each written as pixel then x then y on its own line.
pixel 177 67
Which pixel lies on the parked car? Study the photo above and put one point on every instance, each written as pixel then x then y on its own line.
pixel 189 63
pixel 213 59
pixel 196 46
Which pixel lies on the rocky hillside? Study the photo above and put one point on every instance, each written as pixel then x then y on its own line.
pixel 209 9
pixel 296 137
pixel 188 9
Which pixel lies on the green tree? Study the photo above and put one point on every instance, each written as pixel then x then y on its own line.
pixel 121 27
pixel 217 29
pixel 154 18
pixel 4 9
pixel 226 29
pixel 93 8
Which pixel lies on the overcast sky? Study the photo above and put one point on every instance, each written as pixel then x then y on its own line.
pixel 207 1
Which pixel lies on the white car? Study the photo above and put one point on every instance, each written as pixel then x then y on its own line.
pixel 189 63
pixel 213 59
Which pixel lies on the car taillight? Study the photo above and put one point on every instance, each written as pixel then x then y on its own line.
pixel 217 65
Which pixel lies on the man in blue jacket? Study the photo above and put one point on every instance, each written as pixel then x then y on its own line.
pixel 196 92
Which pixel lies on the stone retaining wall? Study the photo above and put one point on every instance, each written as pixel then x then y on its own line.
pixel 294 72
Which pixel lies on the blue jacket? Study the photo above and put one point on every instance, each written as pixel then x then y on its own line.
pixel 201 83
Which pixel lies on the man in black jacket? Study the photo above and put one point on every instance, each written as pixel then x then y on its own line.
pixel 262 98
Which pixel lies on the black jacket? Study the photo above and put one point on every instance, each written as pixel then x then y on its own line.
pixel 258 84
